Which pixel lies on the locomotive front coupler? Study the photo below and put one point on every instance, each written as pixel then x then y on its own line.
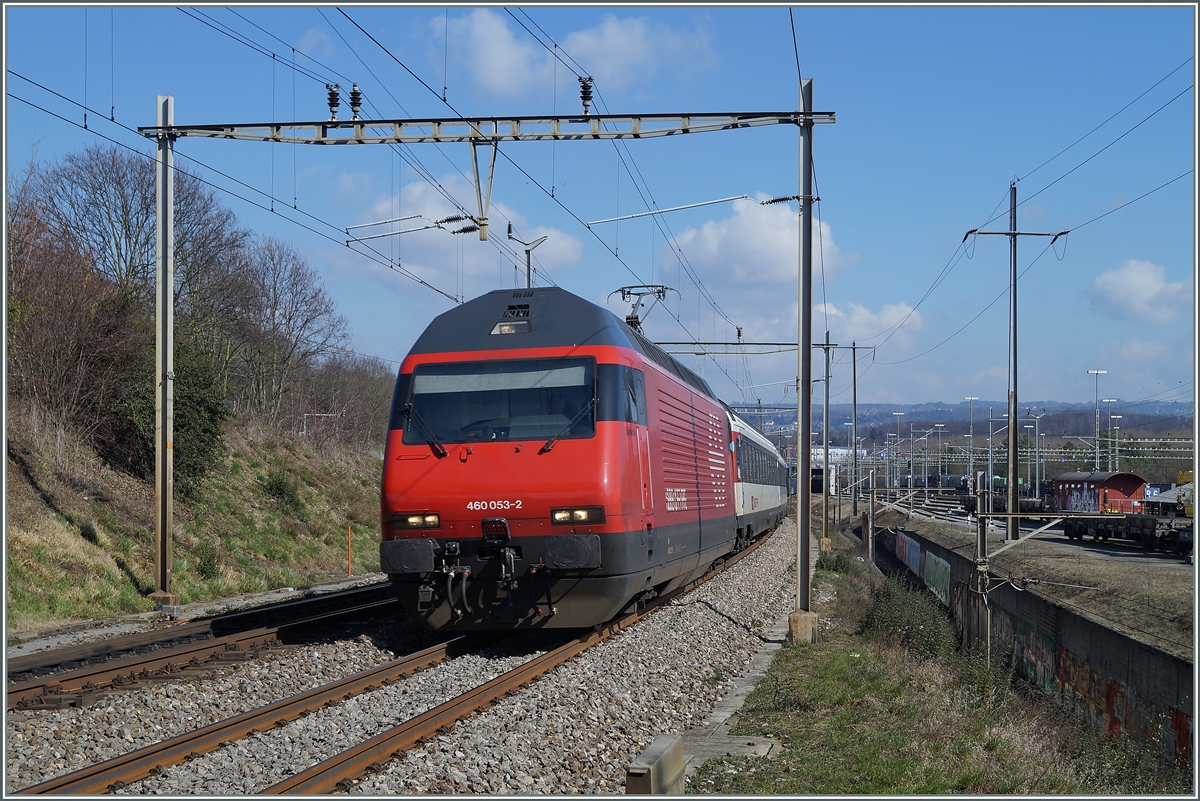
pixel 508 569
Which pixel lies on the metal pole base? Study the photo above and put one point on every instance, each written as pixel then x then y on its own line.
pixel 162 599
pixel 802 627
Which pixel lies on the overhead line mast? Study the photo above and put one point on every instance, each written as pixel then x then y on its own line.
pixel 1013 523
pixel 478 132
pixel 485 132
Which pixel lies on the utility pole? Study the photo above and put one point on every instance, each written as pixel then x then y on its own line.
pixel 1013 524
pixel 802 623
pixel 897 415
pixel 164 356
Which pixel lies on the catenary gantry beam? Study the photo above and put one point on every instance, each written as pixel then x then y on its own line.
pixel 490 129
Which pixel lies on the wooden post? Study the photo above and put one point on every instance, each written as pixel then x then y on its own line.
pixel 349 559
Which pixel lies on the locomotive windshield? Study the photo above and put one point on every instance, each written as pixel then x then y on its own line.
pixel 504 400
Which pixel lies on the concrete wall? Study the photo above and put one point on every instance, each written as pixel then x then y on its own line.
pixel 1126 687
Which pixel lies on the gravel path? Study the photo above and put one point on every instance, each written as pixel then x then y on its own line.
pixel 573 731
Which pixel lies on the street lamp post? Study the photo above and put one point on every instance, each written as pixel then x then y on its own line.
pixel 1037 449
pixel 1031 458
pixel 1097 373
pixel 1117 441
pixel 898 415
pixel 939 427
pixel 853 468
pixel 991 455
pixel 971 447
pixel 1110 402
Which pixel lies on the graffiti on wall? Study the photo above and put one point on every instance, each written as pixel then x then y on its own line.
pixel 937 577
pixel 1110 707
pixel 908 552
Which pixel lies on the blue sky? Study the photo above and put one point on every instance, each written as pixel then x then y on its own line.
pixel 938 110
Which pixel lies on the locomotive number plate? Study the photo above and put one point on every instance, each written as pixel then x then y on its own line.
pixel 491 506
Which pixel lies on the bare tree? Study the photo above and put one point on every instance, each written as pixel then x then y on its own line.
pixel 297 324
pixel 101 201
pixel 356 390
pixel 73 336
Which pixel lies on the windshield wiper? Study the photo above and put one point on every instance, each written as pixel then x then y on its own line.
pixel 411 412
pixel 578 416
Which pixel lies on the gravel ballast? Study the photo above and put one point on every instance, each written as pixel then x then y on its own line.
pixel 574 730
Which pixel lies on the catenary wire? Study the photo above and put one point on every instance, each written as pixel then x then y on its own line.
pixel 381 260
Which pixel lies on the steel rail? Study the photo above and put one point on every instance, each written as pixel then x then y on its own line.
pixel 118 772
pixel 83 685
pixel 340 770
pixel 241 620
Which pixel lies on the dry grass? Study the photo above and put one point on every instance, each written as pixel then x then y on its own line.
pixel 81 546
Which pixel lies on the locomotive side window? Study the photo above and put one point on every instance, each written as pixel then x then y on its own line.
pixel 504 400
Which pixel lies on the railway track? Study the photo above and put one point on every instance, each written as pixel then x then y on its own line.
pixel 82 674
pixel 341 770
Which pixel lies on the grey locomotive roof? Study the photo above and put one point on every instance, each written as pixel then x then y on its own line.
pixel 556 318
pixel 1098 477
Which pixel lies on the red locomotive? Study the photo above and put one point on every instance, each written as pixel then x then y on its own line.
pixel 548 466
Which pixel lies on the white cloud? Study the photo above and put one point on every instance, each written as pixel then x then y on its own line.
pixel 759 245
pixel 498 60
pixel 1139 351
pixel 853 322
pixel 1138 290
pixel 315 43
pixel 503 59
pixel 621 52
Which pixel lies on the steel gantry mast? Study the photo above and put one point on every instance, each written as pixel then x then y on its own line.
pixel 1013 526
pixel 477 131
pixel 486 132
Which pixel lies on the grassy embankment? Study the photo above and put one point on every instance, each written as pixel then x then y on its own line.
pixel 883 703
pixel 273 513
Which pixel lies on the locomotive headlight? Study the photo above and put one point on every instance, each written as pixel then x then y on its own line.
pixel 580 515
pixel 402 520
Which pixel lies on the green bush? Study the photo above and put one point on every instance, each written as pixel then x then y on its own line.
pixel 283 489
pixel 207 565
pixel 126 435
pixel 911 616
pixel 835 561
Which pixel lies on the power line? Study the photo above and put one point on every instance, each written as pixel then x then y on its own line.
pixel 407 158
pixel 1101 125
pixel 381 260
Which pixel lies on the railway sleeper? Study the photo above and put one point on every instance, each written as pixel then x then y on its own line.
pixel 79 700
